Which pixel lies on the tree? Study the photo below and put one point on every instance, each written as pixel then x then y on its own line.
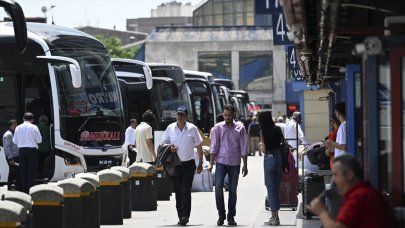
pixel 114 47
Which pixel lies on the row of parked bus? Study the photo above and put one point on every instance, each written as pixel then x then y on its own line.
pixel 68 76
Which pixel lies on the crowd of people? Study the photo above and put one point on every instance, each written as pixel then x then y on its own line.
pixel 26 147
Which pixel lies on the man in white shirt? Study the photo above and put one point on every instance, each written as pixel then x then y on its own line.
pixel 290 131
pixel 184 136
pixel 340 144
pixel 27 137
pixel 130 141
pixel 144 139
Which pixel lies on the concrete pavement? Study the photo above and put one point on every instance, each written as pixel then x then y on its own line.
pixel 250 207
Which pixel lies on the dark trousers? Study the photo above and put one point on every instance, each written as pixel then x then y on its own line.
pixel 182 186
pixel 42 155
pixel 28 167
pixel 233 173
pixel 131 156
pixel 14 176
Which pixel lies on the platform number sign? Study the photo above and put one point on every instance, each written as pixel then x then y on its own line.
pixel 293 64
pixel 280 30
pixel 267 6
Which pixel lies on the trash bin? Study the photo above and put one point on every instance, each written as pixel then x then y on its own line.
pixel 143 188
pixel 75 190
pixel 163 185
pixel 12 214
pixel 47 206
pixel 92 203
pixel 111 212
pixel 126 190
pixel 24 200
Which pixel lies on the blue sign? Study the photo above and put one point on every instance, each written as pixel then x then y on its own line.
pixel 293 64
pixel 280 30
pixel 267 6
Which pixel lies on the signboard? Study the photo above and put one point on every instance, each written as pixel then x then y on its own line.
pixel 267 6
pixel 293 64
pixel 280 30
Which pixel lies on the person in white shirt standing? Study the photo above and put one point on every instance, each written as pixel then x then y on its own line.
pixel 144 139
pixel 340 144
pixel 290 131
pixel 130 140
pixel 27 137
pixel 184 136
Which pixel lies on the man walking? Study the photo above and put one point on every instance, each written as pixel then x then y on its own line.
pixel 184 136
pixel 144 139
pixel 27 137
pixel 228 146
pixel 254 137
pixel 290 131
pixel 44 148
pixel 130 140
pixel 12 155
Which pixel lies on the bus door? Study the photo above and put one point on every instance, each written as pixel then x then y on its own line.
pixel 202 103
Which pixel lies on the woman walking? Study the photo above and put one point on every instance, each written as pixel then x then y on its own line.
pixel 271 138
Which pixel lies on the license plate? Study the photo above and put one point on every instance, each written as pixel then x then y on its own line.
pixel 105 162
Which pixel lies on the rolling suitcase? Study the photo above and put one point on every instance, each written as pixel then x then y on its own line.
pixel 313 185
pixel 289 186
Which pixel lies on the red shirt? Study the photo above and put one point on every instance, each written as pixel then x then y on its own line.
pixel 363 206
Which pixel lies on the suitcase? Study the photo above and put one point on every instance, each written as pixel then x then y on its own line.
pixel 289 186
pixel 312 186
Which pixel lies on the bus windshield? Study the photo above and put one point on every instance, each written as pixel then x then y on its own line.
pixel 90 115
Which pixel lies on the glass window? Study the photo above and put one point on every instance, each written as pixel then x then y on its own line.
pixel 8 99
pixel 249 6
pixel 256 71
pixel 250 19
pixel 207 20
pixel 238 4
pixel 207 8
pixel 198 21
pixel 218 20
pixel 239 19
pixel 228 19
pixel 217 8
pixel 385 125
pixel 217 63
pixel 228 7
pixel 198 12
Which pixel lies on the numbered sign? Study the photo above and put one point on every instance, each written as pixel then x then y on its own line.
pixel 280 30
pixel 267 6
pixel 293 64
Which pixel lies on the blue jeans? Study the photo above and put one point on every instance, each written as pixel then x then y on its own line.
pixel 233 173
pixel 272 177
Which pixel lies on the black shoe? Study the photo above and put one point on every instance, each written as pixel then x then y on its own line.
pixel 220 221
pixel 231 222
pixel 183 221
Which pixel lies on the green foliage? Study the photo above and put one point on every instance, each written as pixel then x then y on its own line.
pixel 114 44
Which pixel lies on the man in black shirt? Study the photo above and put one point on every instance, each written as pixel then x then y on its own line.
pixel 254 137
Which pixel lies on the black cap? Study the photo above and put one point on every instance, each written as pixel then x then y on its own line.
pixel 182 109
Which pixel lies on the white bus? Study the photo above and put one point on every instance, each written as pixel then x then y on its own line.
pixel 66 75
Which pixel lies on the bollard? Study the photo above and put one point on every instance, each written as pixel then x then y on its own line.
pixel 74 191
pixel 11 214
pixel 92 203
pixel 163 185
pixel 24 200
pixel 111 212
pixel 144 196
pixel 126 190
pixel 47 206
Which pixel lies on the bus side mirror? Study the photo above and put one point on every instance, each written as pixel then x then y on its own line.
pixel 148 77
pixel 76 76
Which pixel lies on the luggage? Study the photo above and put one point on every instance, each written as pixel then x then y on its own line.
pixel 289 186
pixel 317 156
pixel 312 185
pixel 203 182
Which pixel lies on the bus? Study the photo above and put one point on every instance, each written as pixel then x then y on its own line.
pixel 66 75
pixel 242 98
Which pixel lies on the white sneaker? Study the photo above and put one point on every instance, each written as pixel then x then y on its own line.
pixel 273 222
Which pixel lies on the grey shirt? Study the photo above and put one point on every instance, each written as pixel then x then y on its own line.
pixel 10 149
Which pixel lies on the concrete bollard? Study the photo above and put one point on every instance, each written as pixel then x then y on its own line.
pixel 74 191
pixel 47 206
pixel 111 212
pixel 163 185
pixel 144 196
pixel 93 203
pixel 12 214
pixel 126 190
pixel 24 200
